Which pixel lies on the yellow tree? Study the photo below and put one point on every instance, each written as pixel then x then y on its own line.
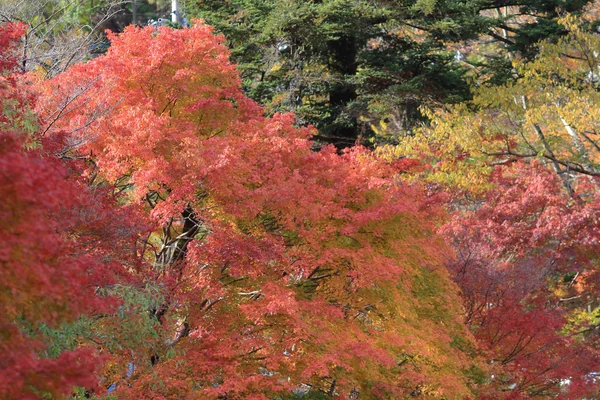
pixel 547 112
pixel 279 268
pixel 529 235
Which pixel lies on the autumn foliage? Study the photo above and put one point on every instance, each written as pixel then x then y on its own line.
pixel 519 166
pixel 526 265
pixel 162 238
pixel 55 252
pixel 280 268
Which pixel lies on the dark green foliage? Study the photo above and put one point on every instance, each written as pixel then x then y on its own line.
pixel 457 20
pixel 299 56
pixel 401 74
pixel 343 65
pixel 496 70
pixel 314 58
pixel 447 20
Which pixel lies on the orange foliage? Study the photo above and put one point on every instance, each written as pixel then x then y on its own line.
pixel 292 267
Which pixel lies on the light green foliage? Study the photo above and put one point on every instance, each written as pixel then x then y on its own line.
pixel 131 327
pixel 66 337
pixel 134 325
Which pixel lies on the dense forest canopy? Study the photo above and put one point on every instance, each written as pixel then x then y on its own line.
pixel 321 199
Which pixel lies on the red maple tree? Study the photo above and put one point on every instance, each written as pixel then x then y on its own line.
pixel 526 266
pixel 280 268
pixel 60 243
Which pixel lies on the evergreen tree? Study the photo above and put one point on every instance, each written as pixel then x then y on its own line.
pixel 316 57
pixel 344 65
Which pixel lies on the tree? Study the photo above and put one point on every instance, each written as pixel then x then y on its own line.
pixel 61 244
pixel 331 61
pixel 344 65
pixel 527 267
pixel 519 164
pixel 543 114
pixel 280 269
pixel 520 24
pixel 60 33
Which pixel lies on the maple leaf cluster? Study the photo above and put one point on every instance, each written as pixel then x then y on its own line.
pixel 518 166
pixel 57 236
pixel 525 263
pixel 276 267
